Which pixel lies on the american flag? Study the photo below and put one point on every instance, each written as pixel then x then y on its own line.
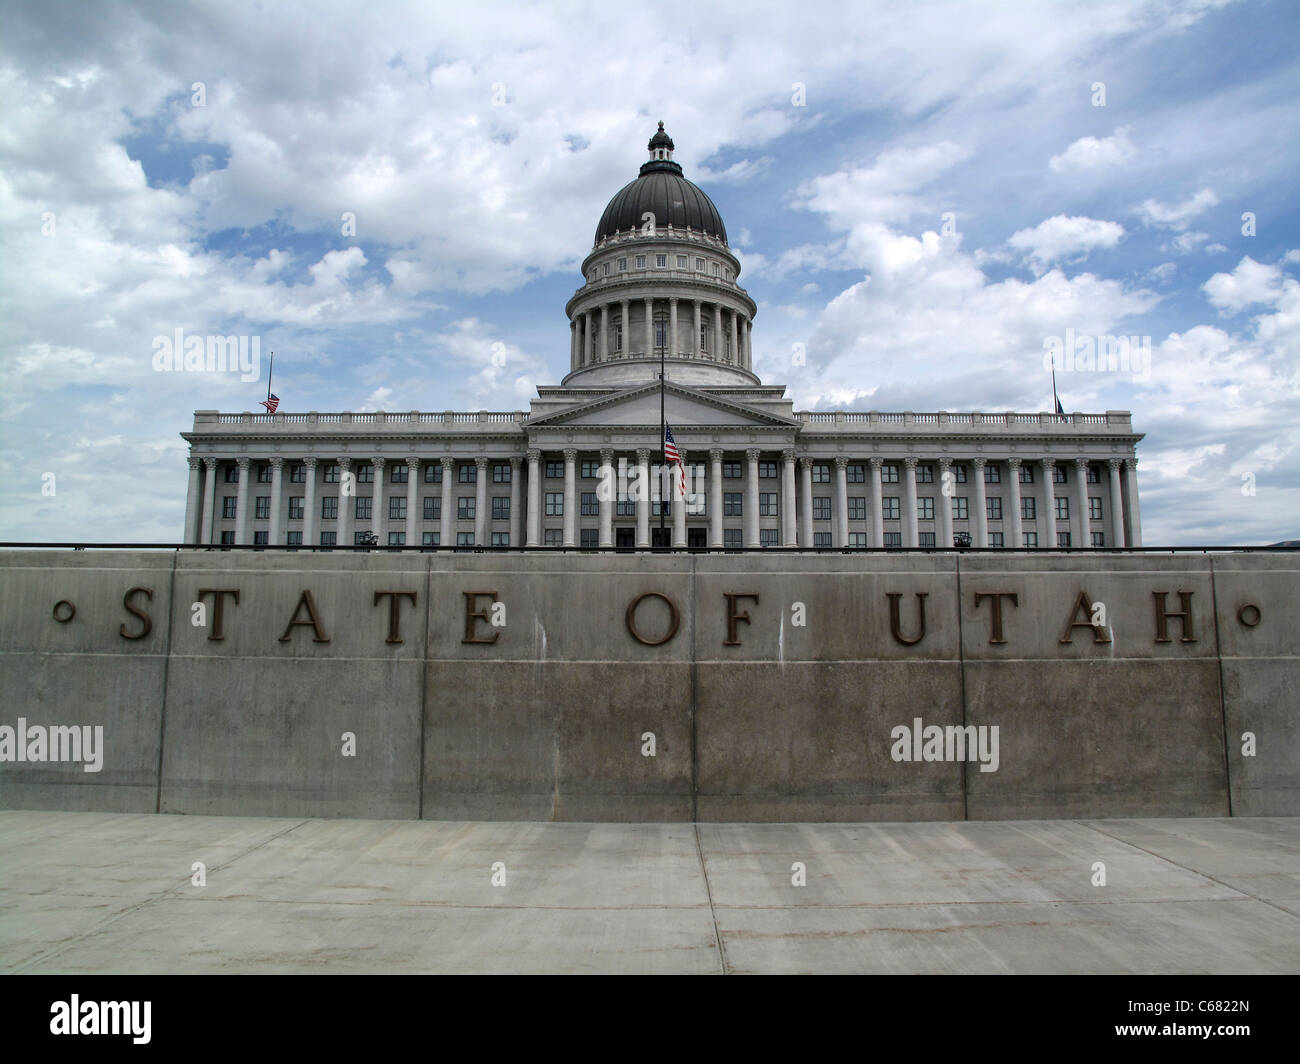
pixel 674 457
pixel 271 402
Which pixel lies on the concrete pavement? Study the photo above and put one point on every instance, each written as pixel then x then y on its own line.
pixel 110 893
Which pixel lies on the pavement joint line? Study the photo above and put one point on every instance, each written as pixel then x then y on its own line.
pixel 1194 871
pixel 95 929
pixel 713 912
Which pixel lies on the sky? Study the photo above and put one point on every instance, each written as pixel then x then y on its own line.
pixel 927 199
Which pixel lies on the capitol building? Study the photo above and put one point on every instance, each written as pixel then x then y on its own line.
pixel 661 287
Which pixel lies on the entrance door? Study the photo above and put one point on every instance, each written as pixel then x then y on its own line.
pixel 661 537
pixel 697 537
pixel 625 538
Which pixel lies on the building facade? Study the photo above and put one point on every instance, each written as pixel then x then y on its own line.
pixel 581 467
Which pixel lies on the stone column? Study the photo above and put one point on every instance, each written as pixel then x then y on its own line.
pixel 1049 506
pixel 347 503
pixel 573 343
pixel 643 503
pixel 1117 538
pixel 981 514
pixel 679 507
pixel 446 530
pixel 209 499
pixel 602 340
pixel 946 485
pixel 841 525
pixel 911 522
pixel 193 501
pixel 412 500
pixel 1013 471
pixel 1134 510
pixel 1083 540
pixel 273 535
pixel 717 332
pixel 789 536
pixel 608 479
pixel 570 497
pixel 627 332
pixel 515 506
pixel 715 497
pixel 751 497
pixel 805 503
pixel 749 344
pixel 481 512
pixel 649 334
pixel 877 504
pixel 588 347
pixel 695 336
pixel 534 499
pixel 309 503
pixel 672 327
pixel 241 503
pixel 378 506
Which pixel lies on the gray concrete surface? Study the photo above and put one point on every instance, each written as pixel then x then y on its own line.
pixel 789 722
pixel 112 893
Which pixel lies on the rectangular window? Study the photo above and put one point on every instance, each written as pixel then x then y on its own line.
pixel 553 537
pixel 731 470
pixel 661 261
pixel 858 540
pixel 960 508
pixel 696 504
pixel 1094 474
pixel 397 539
pixel 1062 539
pixel 717 270
pixel 625 508
pixel 432 507
pixel 959 474
pixel 821 510
pixel 891 508
pixel 622 265
pixel 329 507
pixel 228 506
pixel 262 507
pixel 1031 540
pixel 732 504
pixel 606 269
pixel 589 504
pixel 1026 474
pixel 260 538
pixel 926 539
pixel 821 539
pixel 1028 509
pixel 365 473
pixel 1098 539
pixel 925 474
pixel 397 508
pixel 857 507
pixel 295 507
pixel 640 262
pixel 681 262
pixel 298 473
pixel 656 506
pixel 589 470
pixel 329 539
pixel 893 539
pixel 433 472
pixel 500 507
pixel 699 264
pixel 992 473
pixel 994 508
pixel 399 473
pixel 589 537
pixel 466 508
pixel 555 504
pixel 732 538
pixel 263 473
pixel 227 539
pixel 1058 474
pixel 995 539
pixel 500 539
pixel 889 473
pixel 821 473
pixel 464 539
pixel 1062 508
pixel 358 539
pixel 232 474
pixel 1094 508
pixel 364 507
pixel 555 470
pixel 467 473
pixel 294 539
pixel 500 473
pixel 766 470
pixel 925 508
pixel 430 539
pixel 856 474
pixel 769 537
pixel 767 504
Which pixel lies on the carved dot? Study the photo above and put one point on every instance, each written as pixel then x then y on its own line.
pixel 1249 615
pixel 64 611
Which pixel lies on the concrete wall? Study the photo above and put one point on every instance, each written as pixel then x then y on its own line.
pixel 790 715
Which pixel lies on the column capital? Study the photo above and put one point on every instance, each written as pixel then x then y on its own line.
pixel 876 462
pixel 345 463
pixel 1048 462
pixel 480 463
pixel 642 455
pixel 805 462
pixel 752 453
pixel 979 462
pixel 788 455
pixel 413 462
pixel 1114 463
pixel 715 454
pixel 533 455
pixel 277 462
pixel 242 462
pixel 910 461
pixel 606 455
pixel 672 300
pixel 570 454
pixel 842 462
pixel 945 462
pixel 310 461
pixel 1081 463
pixel 378 461
pixel 195 463
pixel 515 462
pixel 210 464
pixel 1132 464
pixel 448 463
pixel 1013 462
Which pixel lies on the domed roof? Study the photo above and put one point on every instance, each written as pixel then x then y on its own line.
pixel 662 191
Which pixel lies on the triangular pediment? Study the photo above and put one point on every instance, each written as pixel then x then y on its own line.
pixel 640 406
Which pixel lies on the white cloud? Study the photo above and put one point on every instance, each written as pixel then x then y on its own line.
pixel 1091 153
pixel 1249 283
pixel 1177 215
pixel 1065 238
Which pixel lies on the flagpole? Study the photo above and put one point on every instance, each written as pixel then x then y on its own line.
pixel 269 374
pixel 1056 400
pixel 663 438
